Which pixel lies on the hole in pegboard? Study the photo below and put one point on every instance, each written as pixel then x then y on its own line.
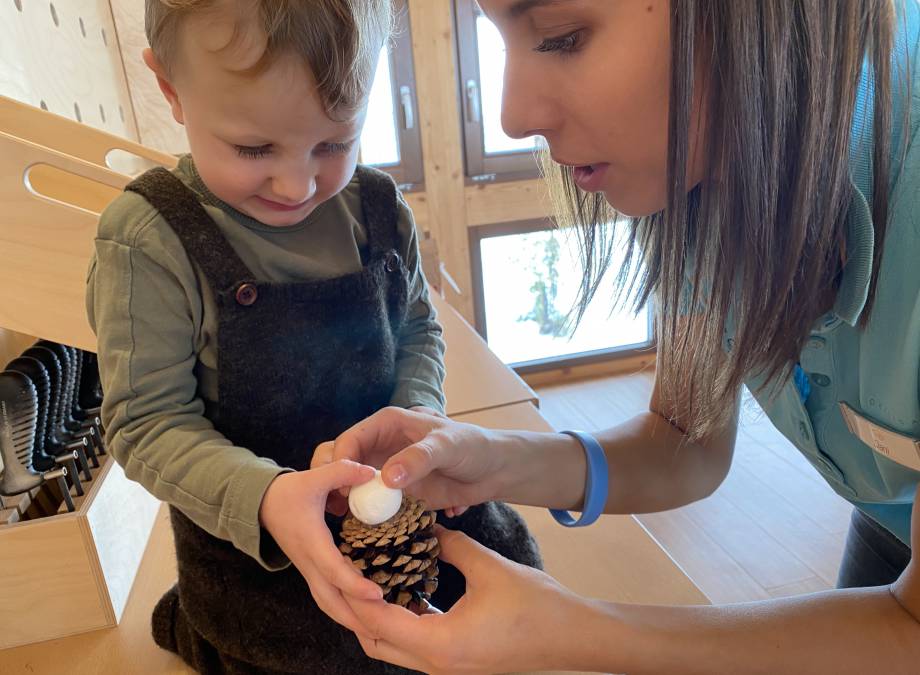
pixel 102 113
pixel 121 113
pixel 43 105
pixel 76 112
pixel 18 4
pixel 82 27
pixel 54 16
pixel 105 39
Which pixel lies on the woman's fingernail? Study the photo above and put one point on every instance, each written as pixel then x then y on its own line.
pixel 397 474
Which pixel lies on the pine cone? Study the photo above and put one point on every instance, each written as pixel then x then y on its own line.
pixel 399 555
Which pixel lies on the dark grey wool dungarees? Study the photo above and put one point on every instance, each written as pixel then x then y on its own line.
pixel 298 363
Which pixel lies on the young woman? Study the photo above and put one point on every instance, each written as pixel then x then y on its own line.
pixel 767 154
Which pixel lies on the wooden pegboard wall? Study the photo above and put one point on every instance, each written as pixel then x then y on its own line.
pixel 63 56
pixel 155 125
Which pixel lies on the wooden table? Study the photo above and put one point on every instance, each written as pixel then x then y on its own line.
pixel 615 559
pixel 476 378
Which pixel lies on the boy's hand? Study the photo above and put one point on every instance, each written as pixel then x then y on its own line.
pixel 337 500
pixel 292 511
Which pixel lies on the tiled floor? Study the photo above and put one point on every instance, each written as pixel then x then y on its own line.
pixel 773 528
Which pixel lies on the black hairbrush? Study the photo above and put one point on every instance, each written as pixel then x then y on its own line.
pixel 68 383
pixel 35 371
pixel 55 438
pixel 58 442
pixel 71 429
pixel 90 386
pixel 18 431
pixel 90 424
pixel 18 422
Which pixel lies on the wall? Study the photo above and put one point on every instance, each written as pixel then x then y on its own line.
pixel 155 125
pixel 64 56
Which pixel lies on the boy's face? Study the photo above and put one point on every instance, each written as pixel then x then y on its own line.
pixel 263 144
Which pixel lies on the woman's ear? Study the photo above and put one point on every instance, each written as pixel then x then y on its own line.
pixel 169 91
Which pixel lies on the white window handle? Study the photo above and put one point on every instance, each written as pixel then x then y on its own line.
pixel 473 104
pixel 405 98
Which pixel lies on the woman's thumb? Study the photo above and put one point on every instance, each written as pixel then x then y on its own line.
pixel 409 465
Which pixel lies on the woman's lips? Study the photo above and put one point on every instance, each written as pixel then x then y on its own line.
pixel 276 206
pixel 590 177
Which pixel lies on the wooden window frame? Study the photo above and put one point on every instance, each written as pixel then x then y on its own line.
pixel 409 173
pixel 480 166
pixel 478 234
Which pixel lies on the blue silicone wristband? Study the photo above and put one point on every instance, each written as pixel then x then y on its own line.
pixel 595 484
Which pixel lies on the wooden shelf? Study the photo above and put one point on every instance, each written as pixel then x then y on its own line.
pixel 72 572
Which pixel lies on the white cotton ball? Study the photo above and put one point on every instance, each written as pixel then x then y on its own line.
pixel 374 502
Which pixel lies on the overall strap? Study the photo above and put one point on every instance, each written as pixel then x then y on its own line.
pixel 379 201
pixel 199 234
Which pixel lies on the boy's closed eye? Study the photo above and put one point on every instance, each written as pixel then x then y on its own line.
pixel 253 151
pixel 342 148
pixel 260 151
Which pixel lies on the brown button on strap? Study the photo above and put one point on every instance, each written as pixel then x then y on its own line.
pixel 247 294
pixel 392 262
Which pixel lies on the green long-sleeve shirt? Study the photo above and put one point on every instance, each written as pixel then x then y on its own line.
pixel 156 322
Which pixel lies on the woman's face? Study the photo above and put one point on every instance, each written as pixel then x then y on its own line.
pixel 592 77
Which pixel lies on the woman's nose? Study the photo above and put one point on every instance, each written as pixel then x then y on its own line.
pixel 526 105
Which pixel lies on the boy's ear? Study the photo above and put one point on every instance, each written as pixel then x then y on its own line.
pixel 165 85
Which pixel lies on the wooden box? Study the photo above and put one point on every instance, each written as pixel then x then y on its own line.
pixel 72 572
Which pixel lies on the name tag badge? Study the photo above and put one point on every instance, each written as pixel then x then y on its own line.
pixel 897 447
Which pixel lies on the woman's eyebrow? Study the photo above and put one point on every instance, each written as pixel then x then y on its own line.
pixel 521 7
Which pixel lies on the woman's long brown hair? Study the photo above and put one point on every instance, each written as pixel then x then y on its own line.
pixel 764 241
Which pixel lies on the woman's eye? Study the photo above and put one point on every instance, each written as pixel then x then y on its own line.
pixel 253 152
pixel 564 44
pixel 336 148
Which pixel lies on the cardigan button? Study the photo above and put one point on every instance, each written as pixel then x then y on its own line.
pixel 247 294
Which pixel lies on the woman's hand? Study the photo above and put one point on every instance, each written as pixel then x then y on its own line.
pixel 292 511
pixel 448 464
pixel 512 618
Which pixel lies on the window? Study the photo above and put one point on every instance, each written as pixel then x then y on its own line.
pixel 528 276
pixel 490 153
pixel 391 140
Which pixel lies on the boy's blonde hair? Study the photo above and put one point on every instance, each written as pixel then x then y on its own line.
pixel 339 39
